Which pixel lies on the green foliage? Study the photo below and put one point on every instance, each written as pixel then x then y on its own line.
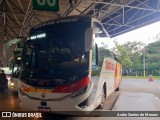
pixel 103 53
pixel 134 52
pixel 153 55
pixel 125 58
pixel 134 47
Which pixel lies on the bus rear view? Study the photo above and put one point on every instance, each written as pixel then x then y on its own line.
pixel 59 64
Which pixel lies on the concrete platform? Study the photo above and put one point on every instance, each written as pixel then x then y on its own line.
pixel 134 101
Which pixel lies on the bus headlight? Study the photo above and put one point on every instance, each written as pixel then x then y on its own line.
pixel 80 92
pixel 12 84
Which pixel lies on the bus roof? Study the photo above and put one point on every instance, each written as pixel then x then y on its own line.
pixel 62 20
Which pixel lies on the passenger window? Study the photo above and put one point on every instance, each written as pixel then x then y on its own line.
pixel 106 46
pixel 95 66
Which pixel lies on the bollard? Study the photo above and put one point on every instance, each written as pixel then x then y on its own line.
pixel 150 78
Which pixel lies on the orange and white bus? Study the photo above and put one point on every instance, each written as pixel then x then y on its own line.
pixel 68 65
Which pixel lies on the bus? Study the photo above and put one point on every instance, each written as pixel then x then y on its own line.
pixel 15 66
pixel 14 61
pixel 68 65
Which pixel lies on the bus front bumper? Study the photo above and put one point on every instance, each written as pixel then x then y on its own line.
pixel 69 104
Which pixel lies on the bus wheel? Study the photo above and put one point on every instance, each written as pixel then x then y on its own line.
pixel 101 106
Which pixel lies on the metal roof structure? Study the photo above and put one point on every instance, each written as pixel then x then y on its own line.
pixel 117 16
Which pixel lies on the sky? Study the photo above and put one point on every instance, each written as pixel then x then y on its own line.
pixel 142 34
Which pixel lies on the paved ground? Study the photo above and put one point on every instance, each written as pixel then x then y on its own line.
pixel 137 101
pixel 9 101
pixel 140 85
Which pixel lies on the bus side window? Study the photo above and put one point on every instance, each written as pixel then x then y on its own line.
pixel 101 39
pixel 94 54
pixel 95 68
pixel 106 46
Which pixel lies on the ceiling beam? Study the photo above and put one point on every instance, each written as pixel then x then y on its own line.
pixel 120 14
pixel 28 15
pixel 71 8
pixel 11 19
pixel 24 20
pixel 14 32
pixel 133 7
pixel 23 12
pixel 13 13
pixel 104 14
pixel 87 9
pixel 22 6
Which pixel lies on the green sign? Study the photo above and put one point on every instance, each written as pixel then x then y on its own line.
pixel 48 5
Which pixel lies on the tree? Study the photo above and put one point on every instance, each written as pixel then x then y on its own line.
pixel 132 55
pixel 135 50
pixel 153 54
pixel 125 56
pixel 134 46
pixel 103 53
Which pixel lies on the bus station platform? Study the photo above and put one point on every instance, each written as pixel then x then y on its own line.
pixel 137 101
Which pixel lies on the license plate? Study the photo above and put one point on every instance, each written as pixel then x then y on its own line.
pixel 44 109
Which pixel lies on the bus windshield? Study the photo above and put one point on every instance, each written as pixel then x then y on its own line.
pixel 57 52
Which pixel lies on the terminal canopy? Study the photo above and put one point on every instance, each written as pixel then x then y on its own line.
pixel 118 16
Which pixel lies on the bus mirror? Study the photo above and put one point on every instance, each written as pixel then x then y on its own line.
pixel 88 39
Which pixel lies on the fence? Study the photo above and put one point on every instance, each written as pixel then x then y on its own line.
pixel 140 72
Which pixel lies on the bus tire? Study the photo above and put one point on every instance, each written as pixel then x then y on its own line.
pixel 101 106
pixel 117 89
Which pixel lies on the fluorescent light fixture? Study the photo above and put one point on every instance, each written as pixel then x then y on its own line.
pixel 33 37
pixel 41 35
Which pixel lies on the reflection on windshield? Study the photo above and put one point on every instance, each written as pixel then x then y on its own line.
pixel 41 57
pixel 54 63
pixel 55 58
pixel 60 54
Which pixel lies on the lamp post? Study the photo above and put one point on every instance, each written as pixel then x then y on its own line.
pixel 144 61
